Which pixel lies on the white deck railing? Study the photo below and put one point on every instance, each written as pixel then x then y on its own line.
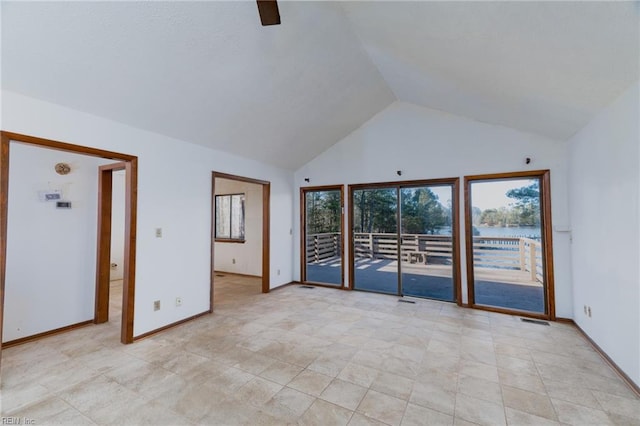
pixel 323 246
pixel 509 253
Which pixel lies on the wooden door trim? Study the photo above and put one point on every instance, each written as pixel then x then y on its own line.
pixel 546 234
pixel 455 222
pixel 105 194
pixel 64 146
pixel 266 237
pixel 303 233
pixel 130 225
pixel 266 229
pixel 5 142
pixel 103 252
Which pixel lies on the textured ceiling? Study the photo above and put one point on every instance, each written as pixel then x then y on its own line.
pixel 208 73
pixel 204 72
pixel 542 67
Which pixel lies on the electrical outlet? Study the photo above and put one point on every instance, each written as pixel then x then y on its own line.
pixel 178 301
pixel 585 309
pixel 233 260
pixel 156 305
pixel 158 232
pixel 589 311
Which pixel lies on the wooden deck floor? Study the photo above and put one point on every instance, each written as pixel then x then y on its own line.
pixel 445 271
pixel 481 274
pixel 493 287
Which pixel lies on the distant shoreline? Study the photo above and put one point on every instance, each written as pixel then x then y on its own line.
pixel 509 231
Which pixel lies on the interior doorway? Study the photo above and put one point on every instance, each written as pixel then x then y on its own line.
pixel 509 247
pixel 404 239
pixel 112 263
pixel 117 244
pixel 130 165
pixel 322 243
pixel 240 212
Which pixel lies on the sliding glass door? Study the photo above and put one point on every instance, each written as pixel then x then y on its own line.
pixel 375 239
pixel 508 235
pixel 322 239
pixel 403 239
pixel 426 247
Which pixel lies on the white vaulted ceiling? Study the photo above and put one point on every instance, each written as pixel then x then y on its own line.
pixel 204 72
pixel 208 73
pixel 544 67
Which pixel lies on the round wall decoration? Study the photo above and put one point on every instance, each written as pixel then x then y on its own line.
pixel 62 168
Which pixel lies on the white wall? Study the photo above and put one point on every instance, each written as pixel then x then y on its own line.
pixel 117 225
pixel 425 144
pixel 174 192
pixel 247 255
pixel 604 187
pixel 51 253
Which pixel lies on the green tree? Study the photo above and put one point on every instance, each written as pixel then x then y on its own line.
pixel 490 217
pixel 527 205
pixel 333 211
pixel 375 211
pixel 422 212
pixel 323 212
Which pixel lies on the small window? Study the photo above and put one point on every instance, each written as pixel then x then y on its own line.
pixel 230 217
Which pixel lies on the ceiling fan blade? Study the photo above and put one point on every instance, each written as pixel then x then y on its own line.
pixel 269 13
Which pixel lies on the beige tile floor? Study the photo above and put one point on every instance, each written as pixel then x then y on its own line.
pixel 319 357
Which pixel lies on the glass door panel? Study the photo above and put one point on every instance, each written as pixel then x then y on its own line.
pixel 426 249
pixel 508 266
pixel 323 237
pixel 375 239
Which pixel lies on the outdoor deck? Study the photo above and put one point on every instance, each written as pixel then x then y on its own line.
pixel 504 275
